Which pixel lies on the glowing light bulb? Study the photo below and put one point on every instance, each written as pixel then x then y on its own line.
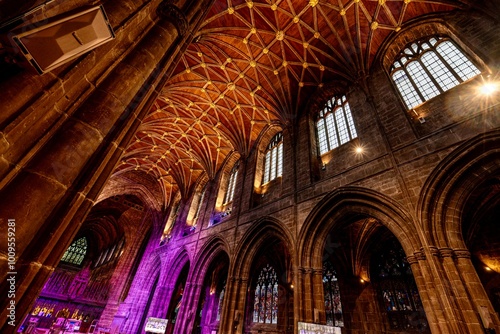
pixel 358 149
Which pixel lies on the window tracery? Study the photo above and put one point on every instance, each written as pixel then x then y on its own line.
pixel 265 308
pixel 428 67
pixel 333 304
pixel 335 125
pixel 228 197
pixel 273 159
pixel 75 254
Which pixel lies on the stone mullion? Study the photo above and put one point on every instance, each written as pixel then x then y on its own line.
pixel 474 294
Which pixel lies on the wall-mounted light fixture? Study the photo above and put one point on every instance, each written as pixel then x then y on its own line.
pixel 52 44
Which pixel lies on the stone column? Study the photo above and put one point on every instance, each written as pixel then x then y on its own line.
pixel 475 291
pixel 306 297
pixel 427 293
pixel 189 307
pixel 318 296
pixel 51 196
pixel 233 315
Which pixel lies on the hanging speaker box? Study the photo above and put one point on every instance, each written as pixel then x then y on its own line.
pixel 52 44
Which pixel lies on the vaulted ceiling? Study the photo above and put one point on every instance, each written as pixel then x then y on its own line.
pixel 253 64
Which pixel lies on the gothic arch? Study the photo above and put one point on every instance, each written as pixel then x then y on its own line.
pixel 173 268
pixel 255 237
pixel 347 203
pixel 207 253
pixel 148 190
pixel 445 193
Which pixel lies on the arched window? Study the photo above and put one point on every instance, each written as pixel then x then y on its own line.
pixel 335 125
pixel 200 202
pixel 273 160
pixel 75 254
pixel 221 300
pixel 228 197
pixel 333 304
pixel 396 288
pixel 429 67
pixel 265 307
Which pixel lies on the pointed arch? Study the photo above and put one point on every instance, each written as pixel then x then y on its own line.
pixel 445 192
pixel 253 240
pixel 347 204
pixel 172 268
pixel 210 250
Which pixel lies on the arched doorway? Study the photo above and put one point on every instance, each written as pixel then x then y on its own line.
pixel 368 284
pixel 209 310
pixel 176 300
pixel 270 294
pixel 481 232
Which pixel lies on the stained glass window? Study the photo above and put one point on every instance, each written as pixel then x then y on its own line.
pixel 429 67
pixel 228 197
pixel 335 125
pixel 265 307
pixel 333 304
pixel 397 290
pixel 75 254
pixel 273 160
pixel 221 300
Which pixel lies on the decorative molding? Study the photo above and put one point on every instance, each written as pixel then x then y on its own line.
pixel 445 252
pixel 412 260
pixel 167 10
pixel 461 253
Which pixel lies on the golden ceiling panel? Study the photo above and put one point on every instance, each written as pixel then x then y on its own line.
pixel 254 63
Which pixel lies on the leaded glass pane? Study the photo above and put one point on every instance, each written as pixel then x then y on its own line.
pixel 267 167
pixel 333 304
pixel 441 62
pixel 439 71
pixel 331 131
pixel 75 254
pixel 396 287
pixel 231 185
pixel 323 146
pixel 273 165
pixel 265 308
pixel 422 80
pixel 457 60
pixel 335 125
pixel 221 300
pixel 280 160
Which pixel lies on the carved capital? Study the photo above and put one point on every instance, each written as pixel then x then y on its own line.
pixel 446 252
pixel 412 259
pixel 434 250
pixel 462 253
pixel 420 255
pixel 167 10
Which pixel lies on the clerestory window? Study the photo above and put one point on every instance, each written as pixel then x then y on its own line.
pixel 228 197
pixel 428 67
pixel 273 159
pixel 335 125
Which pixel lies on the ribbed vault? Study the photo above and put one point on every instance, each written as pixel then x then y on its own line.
pixel 254 63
